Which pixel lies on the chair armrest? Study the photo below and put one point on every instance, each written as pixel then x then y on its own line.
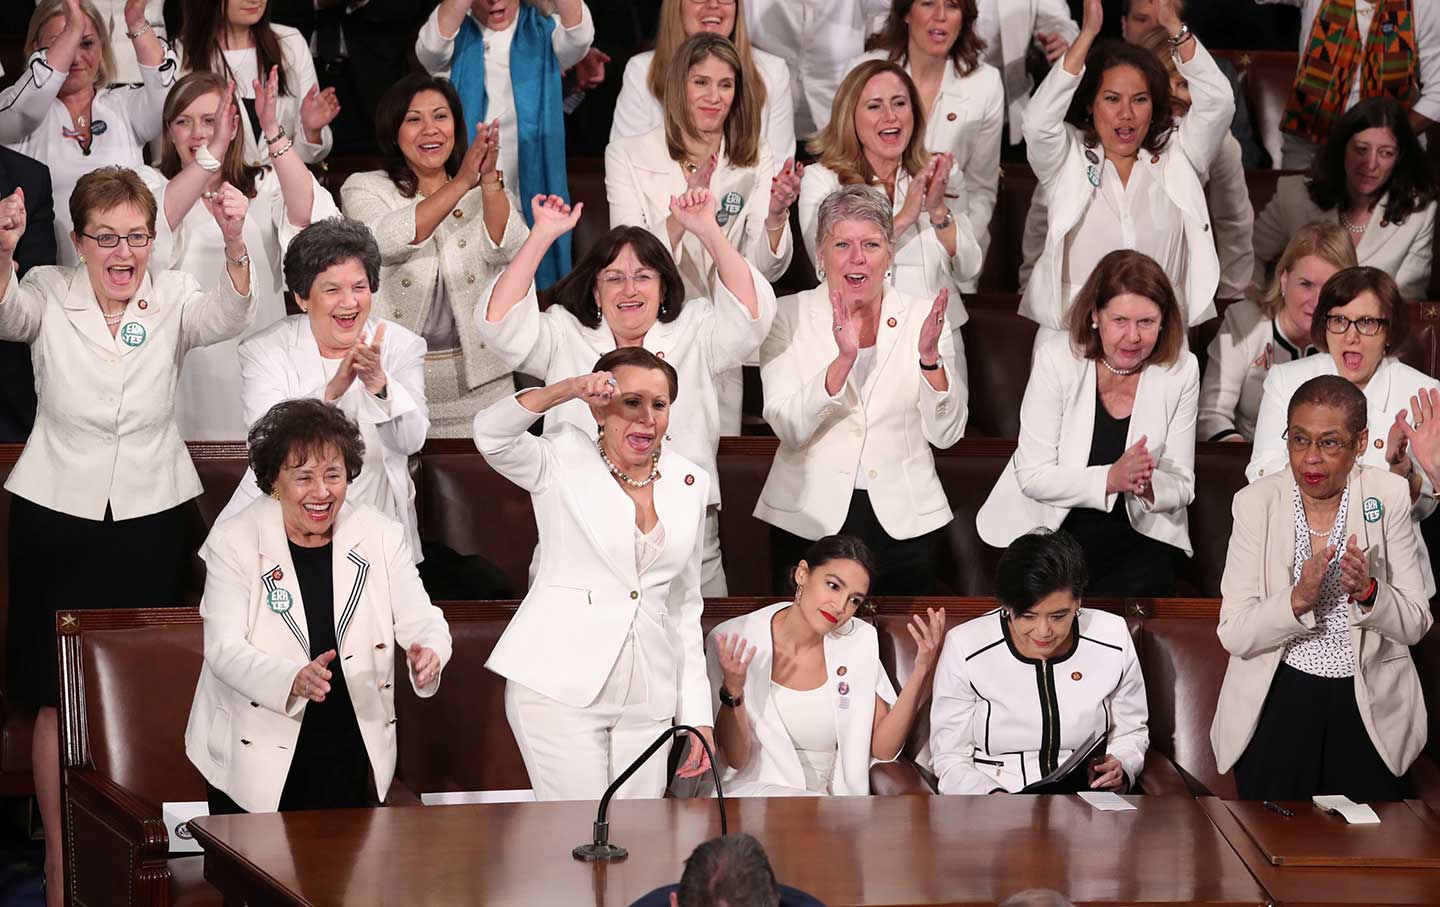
pixel 1160 777
pixel 888 779
pixel 117 844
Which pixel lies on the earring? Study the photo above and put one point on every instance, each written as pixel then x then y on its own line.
pixel 798 591
pixel 600 431
pixel 889 274
pixel 1094 326
pixel 664 309
pixel 275 493
pixel 820 273
pixel 82 259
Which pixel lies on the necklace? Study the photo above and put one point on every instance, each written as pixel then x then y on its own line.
pixel 620 474
pixel 113 320
pixel 1357 229
pixel 1118 371
pixel 1318 535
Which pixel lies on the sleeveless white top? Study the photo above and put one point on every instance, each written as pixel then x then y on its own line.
pixel 810 720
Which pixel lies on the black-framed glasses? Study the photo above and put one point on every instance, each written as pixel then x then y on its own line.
pixel 1329 447
pixel 136 240
pixel 1367 325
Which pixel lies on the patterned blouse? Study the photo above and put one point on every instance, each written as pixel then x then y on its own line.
pixel 1324 651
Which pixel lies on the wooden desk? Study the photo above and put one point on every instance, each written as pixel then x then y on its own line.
pixel 844 850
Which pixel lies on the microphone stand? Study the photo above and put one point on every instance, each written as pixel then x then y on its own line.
pixel 600 850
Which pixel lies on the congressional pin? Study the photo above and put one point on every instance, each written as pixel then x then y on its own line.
pixel 99 127
pixel 689 480
pixel 1379 444
pixel 1091 156
pixel 1155 159
pixel 844 688
pixel 950 117
pixel 1093 176
pixel 133 333
pixel 1373 510
pixel 277 574
pixel 278 600
pixel 1076 675
pixel 892 322
pixel 143 304
pixel 729 206
pixel 1384 223
pixel 841 670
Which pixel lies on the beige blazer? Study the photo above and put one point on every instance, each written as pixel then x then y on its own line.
pixel 1256 622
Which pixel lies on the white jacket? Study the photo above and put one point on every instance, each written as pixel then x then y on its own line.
pixel 243 722
pixel 1057 152
pixel 1048 477
pixel 1237 362
pixel 1008 28
pixel 772 753
pixel 884 427
pixel 587 596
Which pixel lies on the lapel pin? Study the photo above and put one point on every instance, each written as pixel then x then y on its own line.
pixel 840 671
pixel 1373 510
pixel 689 480
pixel 844 688
pixel 143 304
pixel 1091 156
pixel 1155 159
pixel 1076 675
pixel 950 117
pixel 892 322
pixel 1379 444
pixel 277 574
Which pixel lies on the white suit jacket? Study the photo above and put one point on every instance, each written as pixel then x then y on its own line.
pixel 772 755
pixel 1048 475
pixel 244 722
pixel 283 362
pixel 637 111
pixel 640 178
pixel 587 596
pixel 1057 152
pixel 105 431
pixel 1404 251
pixel 1008 28
pixel 1237 363
pixel 885 426
pixel 1256 622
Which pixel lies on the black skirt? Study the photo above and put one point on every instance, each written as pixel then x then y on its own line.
pixel 60 562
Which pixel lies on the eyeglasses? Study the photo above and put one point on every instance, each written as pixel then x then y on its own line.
pixel 111 240
pixel 1367 325
pixel 1329 447
pixel 643 280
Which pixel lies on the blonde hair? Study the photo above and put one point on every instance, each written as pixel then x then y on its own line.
pixel 672 34
pixel 1326 240
pixel 46 10
pixel 837 146
pixel 742 123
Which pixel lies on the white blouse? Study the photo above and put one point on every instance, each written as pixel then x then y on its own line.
pixel 1137 215
pixel 809 718
pixel 649 546
pixel 1325 650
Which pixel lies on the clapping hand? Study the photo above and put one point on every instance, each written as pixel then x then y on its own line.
pixel 734 661
pixel 934 324
pixel 490 160
pixel 482 152
pixel 313 680
pixel 784 189
pixel 318 110
pixel 1094 18
pixel 1397 445
pixel 228 206
pixel 694 211
pixel 424 664
pixel 929 635
pixel 553 218
pixel 940 167
pixel 12 225
pixel 365 362
pixel 915 197
pixel 847 327
pixel 227 121
pixel 1132 472
pixel 1312 573
pixel 1424 437
pixel 1354 569
pixel 267 103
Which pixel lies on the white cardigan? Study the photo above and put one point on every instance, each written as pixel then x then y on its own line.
pixel 885 426
pixel 1048 477
pixel 1057 152
pixel 773 761
pixel 243 721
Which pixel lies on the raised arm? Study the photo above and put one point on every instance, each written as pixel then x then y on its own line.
pixel 576 32
pixel 892 722
pixel 187 186
pixel 1074 59
pixel 149 49
pixel 435 44
pixel 501 430
pixel 553 219
pixel 1047 140
pixel 798 400
pixel 695 212
pixel 225 311
pixel 727 658
pixel 296 184
pixel 21 307
pixel 24 105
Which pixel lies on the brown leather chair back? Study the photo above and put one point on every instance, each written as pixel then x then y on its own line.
pixel 463 503
pixel 1219 474
pixel 1266 77
pixel 998 349
pixel 967 474
pixel 587 184
pixel 744 463
pixel 1001 272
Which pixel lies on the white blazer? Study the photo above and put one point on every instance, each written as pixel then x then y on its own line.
pixel 1057 152
pixel 637 111
pixel 885 426
pixel 640 179
pixel 1403 251
pixel 587 597
pixel 283 362
pixel 243 721
pixel 1237 362
pixel 1008 28
pixel 105 431
pixel 773 761
pixel 1048 477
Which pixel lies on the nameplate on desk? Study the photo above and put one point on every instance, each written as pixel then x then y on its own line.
pixel 1404 838
pixel 176 815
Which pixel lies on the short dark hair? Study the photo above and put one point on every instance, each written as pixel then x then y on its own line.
pixel 1107 55
pixel 1412 182
pixel 1039 563
pixel 576 290
pixel 1332 391
pixel 1118 273
pixel 639 357
pixel 301 429
pixel 390 115
pixel 841 548
pixel 730 871
pixel 1344 286
pixel 894 37
pixel 325 244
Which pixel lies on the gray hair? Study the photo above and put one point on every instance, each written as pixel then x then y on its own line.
pixel 857 202
pixel 732 871
pixel 325 244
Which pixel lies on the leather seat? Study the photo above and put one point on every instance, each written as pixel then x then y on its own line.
pixel 1266 77
pixel 998 349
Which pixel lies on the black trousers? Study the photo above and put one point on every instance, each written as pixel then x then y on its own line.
pixel 907 566
pixel 1311 740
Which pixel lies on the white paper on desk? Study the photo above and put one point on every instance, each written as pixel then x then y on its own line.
pixel 176 815
pixel 1105 801
pixel 1354 813
pixel 452 798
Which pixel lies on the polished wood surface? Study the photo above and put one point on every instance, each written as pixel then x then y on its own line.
pixel 1323 886
pixel 844 850
pixel 1313 837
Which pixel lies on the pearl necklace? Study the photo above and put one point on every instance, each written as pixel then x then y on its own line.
pixel 620 474
pixel 1122 372
pixel 1357 229
pixel 115 319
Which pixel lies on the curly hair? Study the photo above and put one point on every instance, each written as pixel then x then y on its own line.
pixel 294 431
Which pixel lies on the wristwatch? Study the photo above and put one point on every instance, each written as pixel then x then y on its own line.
pixel 730 701
pixel 241 262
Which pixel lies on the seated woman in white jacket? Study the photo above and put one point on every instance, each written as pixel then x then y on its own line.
pixel 606 650
pixel 877 137
pixel 860 380
pixel 786 722
pixel 994 729
pixel 1270 329
pixel 1117 173
pixel 961 95
pixel 1375 180
pixel 304 596
pixel 1107 434
pixel 627 291
pixel 371 369
pixel 639 110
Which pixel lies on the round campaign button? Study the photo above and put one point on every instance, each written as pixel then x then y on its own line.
pixel 133 333
pixel 279 600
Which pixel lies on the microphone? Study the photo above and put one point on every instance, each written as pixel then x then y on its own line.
pixel 600 850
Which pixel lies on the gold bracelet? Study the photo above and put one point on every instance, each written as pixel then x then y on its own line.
pixel 288 145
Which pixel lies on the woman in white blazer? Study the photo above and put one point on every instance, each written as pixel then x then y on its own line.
pixel 284 199
pixel 1320 607
pixel 446 226
pixel 55 111
pixel 104 471
pixel 305 593
pixel 605 651
pixel 371 369
pixel 1116 172
pixel 860 380
pixel 961 95
pixel 1010 28
pixel 1003 721
pixel 786 722
pixel 1374 179
pixel 627 291
pixel 1107 434
pixel 639 108
pixel 1270 329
